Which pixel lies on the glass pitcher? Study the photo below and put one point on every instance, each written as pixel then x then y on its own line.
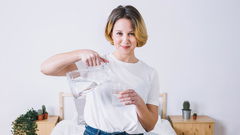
pixel 86 79
pixel 83 81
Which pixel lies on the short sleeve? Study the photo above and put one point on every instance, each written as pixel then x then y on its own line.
pixel 153 95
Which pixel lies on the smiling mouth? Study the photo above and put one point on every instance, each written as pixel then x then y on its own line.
pixel 125 47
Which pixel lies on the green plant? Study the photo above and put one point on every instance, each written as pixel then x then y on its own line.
pixel 45 113
pixel 44 109
pixel 186 105
pixel 40 111
pixel 25 124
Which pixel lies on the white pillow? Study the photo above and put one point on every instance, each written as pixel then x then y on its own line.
pixel 68 127
pixel 162 127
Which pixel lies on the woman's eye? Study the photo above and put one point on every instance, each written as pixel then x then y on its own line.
pixel 132 34
pixel 119 33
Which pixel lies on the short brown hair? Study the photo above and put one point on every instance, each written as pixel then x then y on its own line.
pixel 131 13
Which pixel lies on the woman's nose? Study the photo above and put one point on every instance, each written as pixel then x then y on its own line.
pixel 126 38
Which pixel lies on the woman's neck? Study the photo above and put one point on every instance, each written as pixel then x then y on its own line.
pixel 129 58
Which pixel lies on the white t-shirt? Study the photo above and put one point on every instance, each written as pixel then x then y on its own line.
pixel 99 111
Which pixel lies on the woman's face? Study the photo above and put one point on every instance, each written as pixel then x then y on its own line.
pixel 123 37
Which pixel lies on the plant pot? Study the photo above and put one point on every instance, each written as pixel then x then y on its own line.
pixel 45 115
pixel 186 114
pixel 40 117
pixel 194 116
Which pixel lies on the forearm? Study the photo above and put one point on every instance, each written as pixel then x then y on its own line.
pixel 147 116
pixel 60 63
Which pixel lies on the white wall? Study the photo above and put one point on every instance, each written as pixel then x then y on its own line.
pixel 194 45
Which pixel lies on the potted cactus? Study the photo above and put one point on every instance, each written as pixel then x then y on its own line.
pixel 45 113
pixel 186 111
pixel 194 116
pixel 40 114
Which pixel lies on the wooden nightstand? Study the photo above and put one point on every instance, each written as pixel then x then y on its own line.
pixel 203 125
pixel 45 126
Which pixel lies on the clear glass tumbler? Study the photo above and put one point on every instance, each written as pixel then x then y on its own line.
pixel 116 88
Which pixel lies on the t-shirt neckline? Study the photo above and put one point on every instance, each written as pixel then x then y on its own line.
pixel 122 62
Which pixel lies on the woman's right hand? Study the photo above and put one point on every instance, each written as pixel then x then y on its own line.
pixel 92 58
pixel 60 64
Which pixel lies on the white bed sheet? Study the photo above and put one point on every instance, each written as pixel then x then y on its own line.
pixel 70 127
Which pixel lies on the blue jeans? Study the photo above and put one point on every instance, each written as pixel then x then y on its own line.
pixel 93 131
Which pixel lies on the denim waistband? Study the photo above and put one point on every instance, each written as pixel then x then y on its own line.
pixel 94 131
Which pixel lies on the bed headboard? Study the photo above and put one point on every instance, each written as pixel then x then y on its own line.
pixel 162 98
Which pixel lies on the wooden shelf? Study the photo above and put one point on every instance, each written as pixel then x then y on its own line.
pixel 203 125
pixel 45 126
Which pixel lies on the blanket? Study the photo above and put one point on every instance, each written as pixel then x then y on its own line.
pixel 70 127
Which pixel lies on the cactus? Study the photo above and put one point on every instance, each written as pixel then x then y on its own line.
pixel 186 105
pixel 44 109
pixel 40 111
pixel 194 116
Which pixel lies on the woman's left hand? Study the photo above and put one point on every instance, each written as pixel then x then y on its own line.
pixel 129 97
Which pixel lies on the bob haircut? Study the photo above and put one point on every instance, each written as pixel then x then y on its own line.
pixel 132 14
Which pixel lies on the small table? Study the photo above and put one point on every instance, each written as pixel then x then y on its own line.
pixel 45 126
pixel 203 125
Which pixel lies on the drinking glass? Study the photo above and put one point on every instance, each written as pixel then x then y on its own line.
pixel 116 88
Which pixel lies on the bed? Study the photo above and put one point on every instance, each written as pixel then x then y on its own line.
pixel 68 124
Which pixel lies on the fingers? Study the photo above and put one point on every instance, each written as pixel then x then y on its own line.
pixel 104 60
pixel 128 91
pixel 90 60
pixel 128 97
pixel 130 102
pixel 93 59
pixel 98 62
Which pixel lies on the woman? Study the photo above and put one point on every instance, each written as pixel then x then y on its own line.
pixel 125 30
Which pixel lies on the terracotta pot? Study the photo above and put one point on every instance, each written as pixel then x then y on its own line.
pixel 45 115
pixel 194 117
pixel 40 117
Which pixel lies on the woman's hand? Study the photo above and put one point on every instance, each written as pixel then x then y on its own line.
pixel 129 97
pixel 91 58
pixel 147 113
pixel 60 64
